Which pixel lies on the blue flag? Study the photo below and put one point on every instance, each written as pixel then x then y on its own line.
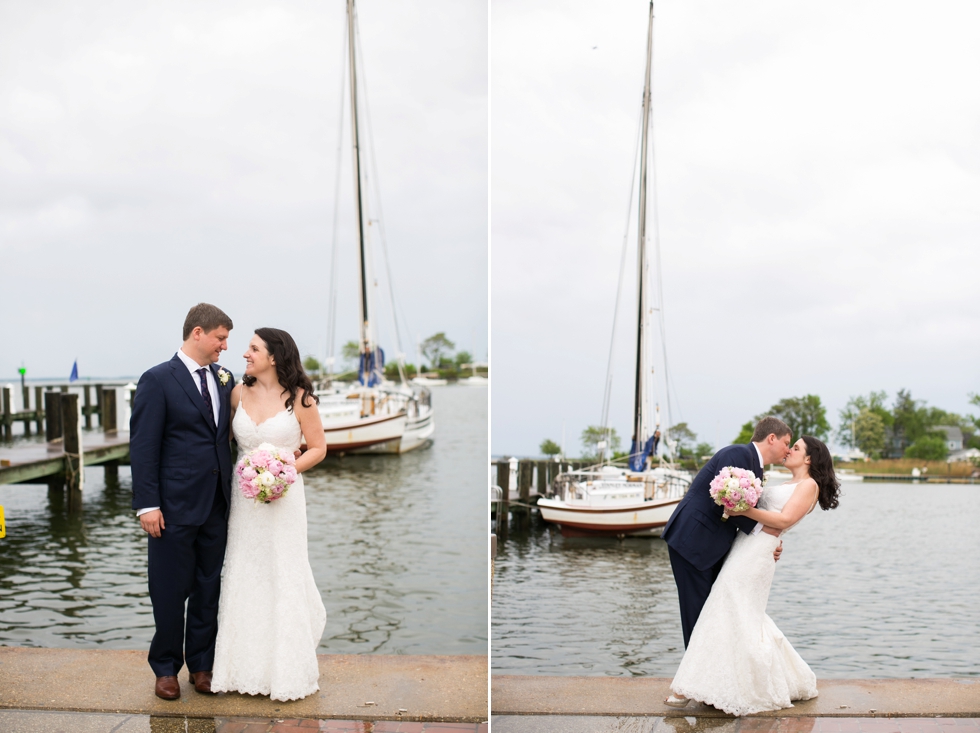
pixel 74 372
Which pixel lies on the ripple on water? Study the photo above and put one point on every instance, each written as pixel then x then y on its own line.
pixel 397 545
pixel 884 586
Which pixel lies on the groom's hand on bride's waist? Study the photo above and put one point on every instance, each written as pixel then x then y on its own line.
pixel 152 523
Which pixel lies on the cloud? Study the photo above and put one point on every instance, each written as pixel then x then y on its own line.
pixel 156 155
pixel 817 182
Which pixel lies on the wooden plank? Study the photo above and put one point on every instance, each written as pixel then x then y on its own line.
pixel 26 472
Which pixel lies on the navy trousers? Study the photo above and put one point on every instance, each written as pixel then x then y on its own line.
pixel 693 588
pixel 184 567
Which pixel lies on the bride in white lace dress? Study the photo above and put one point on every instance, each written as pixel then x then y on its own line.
pixel 738 660
pixel 270 614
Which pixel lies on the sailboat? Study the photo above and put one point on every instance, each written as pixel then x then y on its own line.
pixel 636 499
pixel 375 415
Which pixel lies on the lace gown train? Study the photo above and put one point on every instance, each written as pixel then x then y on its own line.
pixel 738 660
pixel 270 614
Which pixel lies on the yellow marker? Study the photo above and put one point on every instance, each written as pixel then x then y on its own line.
pixel 3 527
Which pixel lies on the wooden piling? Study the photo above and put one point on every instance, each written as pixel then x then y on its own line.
pixel 542 478
pixel 98 404
pixel 73 450
pixel 525 475
pixel 87 406
pixel 39 409
pixel 8 428
pixel 52 416
pixel 26 395
pixel 111 474
pixel 108 415
pixel 503 508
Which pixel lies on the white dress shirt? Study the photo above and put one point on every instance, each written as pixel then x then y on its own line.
pixel 193 367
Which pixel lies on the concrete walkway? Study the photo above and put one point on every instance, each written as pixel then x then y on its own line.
pixel 362 687
pixel 643 696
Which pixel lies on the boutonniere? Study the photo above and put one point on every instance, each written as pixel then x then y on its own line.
pixel 223 376
pixel 765 476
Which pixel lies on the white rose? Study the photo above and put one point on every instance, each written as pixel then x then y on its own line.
pixel 265 479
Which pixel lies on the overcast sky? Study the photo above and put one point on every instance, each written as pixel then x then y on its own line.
pixel 157 154
pixel 818 169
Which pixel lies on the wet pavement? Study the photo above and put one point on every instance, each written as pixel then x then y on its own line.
pixel 514 695
pixel 695 724
pixel 397 689
pixel 34 721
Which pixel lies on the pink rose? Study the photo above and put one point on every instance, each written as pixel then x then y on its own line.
pixel 249 473
pixel 288 458
pixel 275 467
pixel 289 474
pixel 261 459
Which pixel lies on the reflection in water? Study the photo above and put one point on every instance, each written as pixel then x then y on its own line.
pixel 397 544
pixel 884 586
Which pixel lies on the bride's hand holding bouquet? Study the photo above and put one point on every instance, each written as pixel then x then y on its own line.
pixel 736 490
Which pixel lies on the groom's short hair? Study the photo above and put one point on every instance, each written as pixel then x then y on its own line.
pixel 770 425
pixel 208 317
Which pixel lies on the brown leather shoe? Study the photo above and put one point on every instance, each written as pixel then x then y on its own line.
pixel 202 682
pixel 168 688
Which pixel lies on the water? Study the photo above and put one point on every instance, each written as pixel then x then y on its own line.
pixel 887 585
pixel 397 544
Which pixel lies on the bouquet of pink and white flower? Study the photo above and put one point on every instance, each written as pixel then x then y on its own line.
pixel 735 488
pixel 266 473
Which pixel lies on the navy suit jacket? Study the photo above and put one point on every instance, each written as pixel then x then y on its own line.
pixel 178 455
pixel 695 529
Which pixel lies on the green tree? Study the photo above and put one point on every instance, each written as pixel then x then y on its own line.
pixel 745 434
pixel 804 415
pixel 875 403
pixel 684 437
pixel 591 437
pixel 909 418
pixel 312 365
pixel 549 447
pixel 929 447
pixel 869 433
pixel 435 347
pixel 704 449
pixel 351 353
pixel 463 357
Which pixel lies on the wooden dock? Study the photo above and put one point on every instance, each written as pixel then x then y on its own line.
pixel 522 482
pixel 58 461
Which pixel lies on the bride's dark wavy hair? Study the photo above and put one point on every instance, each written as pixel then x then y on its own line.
pixel 289 367
pixel 822 471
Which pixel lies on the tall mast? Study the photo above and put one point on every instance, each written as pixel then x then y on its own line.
pixel 641 249
pixel 365 346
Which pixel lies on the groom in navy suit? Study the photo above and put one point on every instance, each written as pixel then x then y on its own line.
pixel 181 462
pixel 697 539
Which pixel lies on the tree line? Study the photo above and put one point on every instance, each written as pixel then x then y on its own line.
pixel 438 349
pixel 908 428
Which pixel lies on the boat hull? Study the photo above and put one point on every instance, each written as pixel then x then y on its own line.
pixel 643 518
pixel 375 434
pixel 418 432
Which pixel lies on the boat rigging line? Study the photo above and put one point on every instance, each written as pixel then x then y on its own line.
pixel 607 394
